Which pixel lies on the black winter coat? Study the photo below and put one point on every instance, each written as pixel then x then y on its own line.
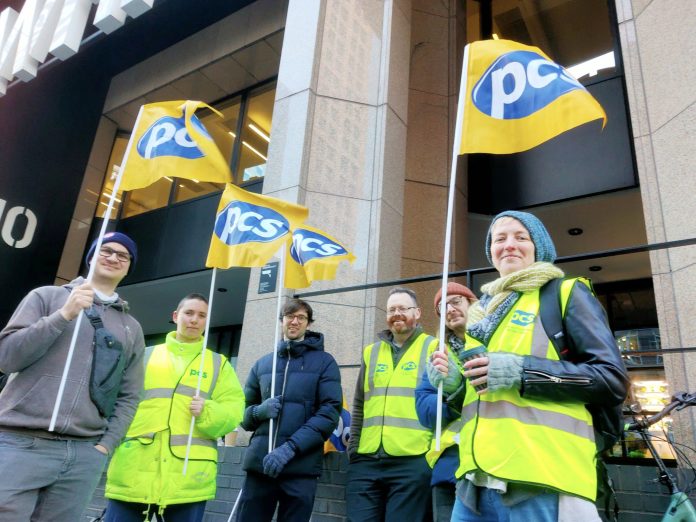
pixel 596 374
pixel 309 383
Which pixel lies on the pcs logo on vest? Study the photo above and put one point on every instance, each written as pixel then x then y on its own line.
pixel 409 366
pixel 241 222
pixel 521 318
pixel 195 374
pixel 381 368
pixel 520 83
pixel 168 137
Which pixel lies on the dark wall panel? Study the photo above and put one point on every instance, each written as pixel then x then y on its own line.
pixel 48 126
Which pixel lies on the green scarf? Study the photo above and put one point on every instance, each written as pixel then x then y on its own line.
pixel 500 295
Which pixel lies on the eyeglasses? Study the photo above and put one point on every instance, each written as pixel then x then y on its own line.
pixel 108 252
pixel 400 310
pixel 455 301
pixel 300 318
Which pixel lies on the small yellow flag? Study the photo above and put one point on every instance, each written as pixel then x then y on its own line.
pixel 250 228
pixel 313 255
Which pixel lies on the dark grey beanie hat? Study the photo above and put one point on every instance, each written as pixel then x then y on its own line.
pixel 544 249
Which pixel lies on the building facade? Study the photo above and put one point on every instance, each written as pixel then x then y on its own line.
pixel 348 108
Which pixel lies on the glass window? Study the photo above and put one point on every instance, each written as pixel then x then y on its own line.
pixel 255 136
pixel 147 198
pixel 574 33
pixel 117 152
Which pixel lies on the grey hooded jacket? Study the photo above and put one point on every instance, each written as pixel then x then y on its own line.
pixel 33 349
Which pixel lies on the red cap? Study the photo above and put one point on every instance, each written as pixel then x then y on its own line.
pixel 454 289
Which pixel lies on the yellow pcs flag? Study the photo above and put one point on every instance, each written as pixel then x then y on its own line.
pixel 250 228
pixel 517 98
pixel 313 255
pixel 169 140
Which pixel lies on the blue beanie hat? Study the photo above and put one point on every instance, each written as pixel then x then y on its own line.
pixel 544 249
pixel 121 239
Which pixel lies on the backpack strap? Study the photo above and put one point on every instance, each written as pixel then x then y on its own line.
pixel 94 318
pixel 551 314
pixel 552 310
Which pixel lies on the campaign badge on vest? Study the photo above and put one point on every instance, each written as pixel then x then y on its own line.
pixel 409 366
pixel 522 318
pixel 381 368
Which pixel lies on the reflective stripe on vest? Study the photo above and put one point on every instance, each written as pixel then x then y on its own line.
pixel 389 408
pixel 522 439
pixel 164 408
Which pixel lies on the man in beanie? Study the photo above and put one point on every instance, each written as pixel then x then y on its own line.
pixel 388 476
pixel 528 445
pixel 50 476
pixel 444 460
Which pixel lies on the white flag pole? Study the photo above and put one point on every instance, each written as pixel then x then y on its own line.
pixel 90 274
pixel 281 287
pixel 200 366
pixel 448 231
pixel 234 508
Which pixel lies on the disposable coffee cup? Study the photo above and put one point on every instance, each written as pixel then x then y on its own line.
pixel 474 353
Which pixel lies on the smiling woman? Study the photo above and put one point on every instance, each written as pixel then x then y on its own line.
pixel 520 398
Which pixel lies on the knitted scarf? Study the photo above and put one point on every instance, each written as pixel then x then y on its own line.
pixel 499 297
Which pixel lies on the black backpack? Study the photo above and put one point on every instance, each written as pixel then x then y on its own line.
pixel 607 420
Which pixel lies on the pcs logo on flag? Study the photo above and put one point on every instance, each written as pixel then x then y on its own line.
pixel 168 137
pixel 308 245
pixel 520 83
pixel 241 222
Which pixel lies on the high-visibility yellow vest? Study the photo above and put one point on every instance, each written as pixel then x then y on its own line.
pixel 389 410
pixel 163 407
pixel 527 440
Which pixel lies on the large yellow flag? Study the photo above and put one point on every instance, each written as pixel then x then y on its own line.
pixel 517 98
pixel 313 255
pixel 171 141
pixel 250 228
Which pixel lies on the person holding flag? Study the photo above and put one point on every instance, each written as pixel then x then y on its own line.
pixel 528 446
pixel 444 460
pixel 306 405
pixel 50 476
pixel 145 475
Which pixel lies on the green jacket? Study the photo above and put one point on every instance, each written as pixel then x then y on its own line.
pixel 147 467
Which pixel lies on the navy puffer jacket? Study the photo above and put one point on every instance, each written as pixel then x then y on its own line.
pixel 309 383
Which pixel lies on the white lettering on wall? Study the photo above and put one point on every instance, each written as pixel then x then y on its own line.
pixel 8 222
pixel 55 27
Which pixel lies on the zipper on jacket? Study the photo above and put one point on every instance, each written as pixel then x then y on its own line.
pixel 543 377
pixel 282 394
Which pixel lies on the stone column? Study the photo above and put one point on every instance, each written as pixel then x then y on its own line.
pixel 437 47
pixel 338 141
pixel 658 45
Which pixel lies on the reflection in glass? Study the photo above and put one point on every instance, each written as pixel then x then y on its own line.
pixel 147 198
pixel 115 158
pixel 253 153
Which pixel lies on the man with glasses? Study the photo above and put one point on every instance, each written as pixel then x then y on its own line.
pixel 388 477
pixel 305 405
pixel 53 474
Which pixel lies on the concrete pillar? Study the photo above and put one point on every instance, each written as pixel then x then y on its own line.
pixel 437 45
pixel 657 44
pixel 339 135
